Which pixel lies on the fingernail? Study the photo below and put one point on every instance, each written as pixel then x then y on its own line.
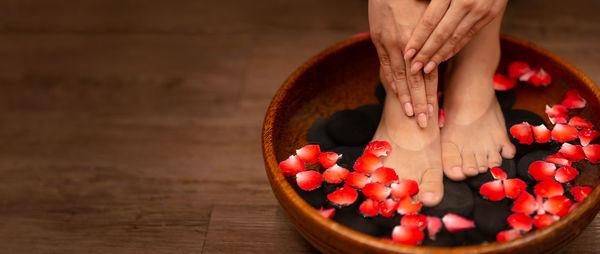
pixel 449 55
pixel 416 67
pixel 408 109
pixel 429 67
pixel 422 120
pixel 428 196
pixel 409 54
pixel 430 107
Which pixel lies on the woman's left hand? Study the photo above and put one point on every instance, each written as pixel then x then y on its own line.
pixel 445 28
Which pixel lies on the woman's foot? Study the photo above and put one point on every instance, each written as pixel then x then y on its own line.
pixel 416 152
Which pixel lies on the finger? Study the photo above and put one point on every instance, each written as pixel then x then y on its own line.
pixel 416 86
pixel 398 70
pixel 439 36
pixel 384 61
pixel 467 36
pixel 431 18
pixel 431 87
pixel 466 30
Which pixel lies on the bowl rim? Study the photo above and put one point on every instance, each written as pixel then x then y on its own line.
pixel 284 191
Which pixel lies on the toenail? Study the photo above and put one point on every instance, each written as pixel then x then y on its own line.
pixel 408 109
pixel 457 169
pixel 422 120
pixel 472 170
pixel 482 169
pixel 428 196
pixel 429 67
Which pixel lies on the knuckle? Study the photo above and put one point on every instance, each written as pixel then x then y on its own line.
pixel 471 33
pixel 439 38
pixel 455 38
pixel 399 74
pixel 414 84
pixel 467 3
pixel 428 24
pixel 384 59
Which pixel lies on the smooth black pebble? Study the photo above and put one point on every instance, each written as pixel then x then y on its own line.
pixel 458 199
pixel 315 198
pixel 490 216
pixel 506 99
pixel 350 217
pixel 351 128
pixel 317 134
pixel 349 155
pixel 475 236
pixel 526 160
pixel 380 93
pixel 508 165
pixel 443 238
pixel 373 110
pixel 517 116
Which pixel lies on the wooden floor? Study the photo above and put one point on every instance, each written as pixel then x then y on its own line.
pixel 133 126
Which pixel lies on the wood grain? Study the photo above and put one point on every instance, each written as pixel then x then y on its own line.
pixel 128 126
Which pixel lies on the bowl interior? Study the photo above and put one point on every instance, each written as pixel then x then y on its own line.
pixel 345 77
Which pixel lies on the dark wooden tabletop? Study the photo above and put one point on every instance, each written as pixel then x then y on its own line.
pixel 133 126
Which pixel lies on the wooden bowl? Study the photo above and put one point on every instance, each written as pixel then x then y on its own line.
pixel 343 77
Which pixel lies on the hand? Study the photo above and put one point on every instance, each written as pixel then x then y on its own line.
pixel 446 27
pixel 391 24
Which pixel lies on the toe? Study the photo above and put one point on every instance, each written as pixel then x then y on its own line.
pixel 431 188
pixel 482 162
pixel 508 150
pixel 494 158
pixel 452 162
pixel 469 165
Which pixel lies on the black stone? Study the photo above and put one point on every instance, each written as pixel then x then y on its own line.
pixel 506 99
pixel 475 236
pixel 517 116
pixel 315 198
pixel 443 238
pixel 380 93
pixel 490 216
pixel 526 160
pixel 508 165
pixel 350 217
pixel 458 199
pixel 349 155
pixel 317 134
pixel 386 224
pixel 351 128
pixel 373 110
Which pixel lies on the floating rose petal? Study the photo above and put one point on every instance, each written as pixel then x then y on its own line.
pixel 540 78
pixel 592 152
pixel 407 235
pixel 384 175
pixel 404 188
pixel 514 187
pixel 376 191
pixel 520 221
pixel 574 153
pixel 566 174
pixel 573 99
pixel 557 205
pixel 579 122
pixel 548 188
pixel 357 179
pixel 367 163
pixel 369 208
pixel 493 190
pixel 343 196
pixel 498 173
pixel 522 132
pixel 517 69
pixel 407 206
pixel 414 220
pixel 581 192
pixel 335 174
pixel 541 170
pixel 502 83
pixel 525 204
pixel 541 133
pixel 543 220
pixel 564 133
pixel 309 180
pixel 441 117
pixel 388 207
pixel 291 166
pixel 328 159
pixel 508 235
pixel 434 225
pixel 558 159
pixel 557 110
pixel 378 148
pixel 327 213
pixel 309 153
pixel 586 136
pixel 455 223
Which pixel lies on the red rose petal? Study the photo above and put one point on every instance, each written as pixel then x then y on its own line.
pixel 309 153
pixel 493 190
pixel 291 166
pixel 404 188
pixel 367 163
pixel 414 220
pixel 514 187
pixel 520 221
pixel 564 133
pixel 357 179
pixel 573 99
pixel 592 152
pixel 557 205
pixel 548 188
pixel 557 111
pixel 540 78
pixel 328 159
pixel 525 204
pixel 498 173
pixel 558 159
pixel 508 235
pixel 378 148
pixel 343 196
pixel 455 223
pixel 327 213
pixel 384 175
pixel 543 220
pixel 434 225
pixel 541 170
pixel 517 69
pixel 586 136
pixel 581 192
pixel 376 191
pixel 407 235
pixel 502 83
pixel 309 180
pixel 388 207
pixel 407 206
pixel 541 133
pixel 572 152
pixel 579 122
pixel 522 132
pixel 369 208
pixel 335 174
pixel 441 117
pixel 566 174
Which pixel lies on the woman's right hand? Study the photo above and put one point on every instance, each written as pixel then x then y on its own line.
pixel 391 24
